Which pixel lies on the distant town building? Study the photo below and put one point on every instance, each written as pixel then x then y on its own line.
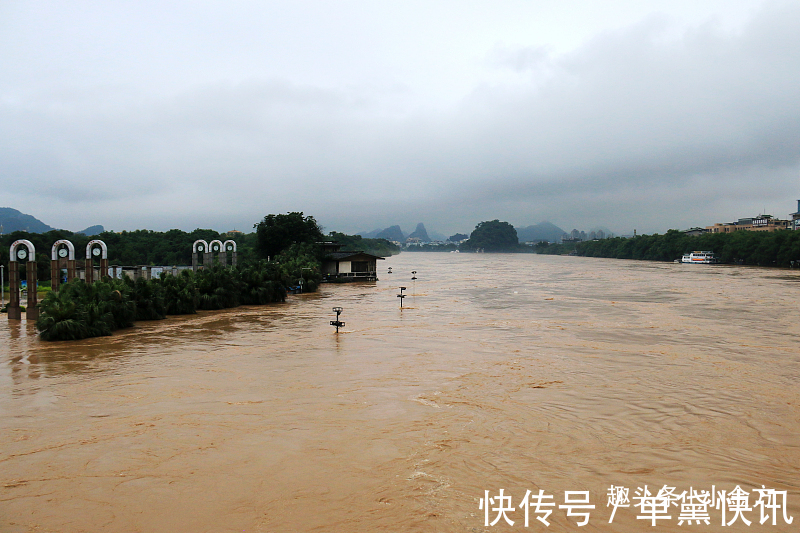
pixel 694 232
pixel 759 223
pixel 796 217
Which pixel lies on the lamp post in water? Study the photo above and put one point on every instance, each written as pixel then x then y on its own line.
pixel 401 296
pixel 337 322
pixel 414 279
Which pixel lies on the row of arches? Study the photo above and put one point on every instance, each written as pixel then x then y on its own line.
pixel 62 255
pixel 23 251
pixel 208 250
pixel 63 250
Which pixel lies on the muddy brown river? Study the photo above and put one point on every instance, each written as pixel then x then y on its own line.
pixel 514 372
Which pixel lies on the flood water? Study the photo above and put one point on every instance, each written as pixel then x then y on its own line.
pixel 513 372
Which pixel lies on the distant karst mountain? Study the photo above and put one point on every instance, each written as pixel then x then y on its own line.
pixel 92 230
pixel 420 233
pixel 392 234
pixel 370 234
pixel 544 231
pixel 13 220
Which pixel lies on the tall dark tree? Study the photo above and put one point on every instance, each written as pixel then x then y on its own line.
pixel 493 236
pixel 276 233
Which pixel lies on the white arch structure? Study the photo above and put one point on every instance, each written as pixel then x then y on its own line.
pixel 199 241
pixel 55 266
pixel 229 246
pixel 215 247
pixel 14 310
pixel 70 248
pixel 90 263
pixel 104 253
pixel 12 251
pixel 204 249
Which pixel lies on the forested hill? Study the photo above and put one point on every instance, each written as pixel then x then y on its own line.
pixel 760 248
pixel 13 220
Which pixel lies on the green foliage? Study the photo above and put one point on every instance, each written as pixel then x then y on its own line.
pixel 493 236
pixel 148 297
pixel 760 248
pixel 218 288
pixel 260 284
pixel 554 248
pixel 58 318
pixel 180 293
pixel 80 310
pixel 379 247
pixel 301 261
pixel 278 232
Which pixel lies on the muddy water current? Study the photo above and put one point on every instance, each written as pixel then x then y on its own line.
pixel 513 372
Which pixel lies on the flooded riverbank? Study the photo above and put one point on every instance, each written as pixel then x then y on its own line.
pixel 518 372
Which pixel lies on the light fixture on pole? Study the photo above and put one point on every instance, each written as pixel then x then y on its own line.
pixel 401 296
pixel 337 322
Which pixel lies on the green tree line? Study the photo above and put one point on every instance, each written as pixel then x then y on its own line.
pixel 758 248
pixel 80 310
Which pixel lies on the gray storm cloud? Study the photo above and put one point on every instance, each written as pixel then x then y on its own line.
pixel 638 127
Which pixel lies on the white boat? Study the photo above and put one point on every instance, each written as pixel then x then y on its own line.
pixel 699 257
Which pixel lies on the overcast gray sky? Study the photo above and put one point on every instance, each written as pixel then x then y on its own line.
pixel 624 114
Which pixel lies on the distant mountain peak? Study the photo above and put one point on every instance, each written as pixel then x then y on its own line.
pixel 543 231
pixel 13 220
pixel 393 233
pixel 420 233
pixel 92 230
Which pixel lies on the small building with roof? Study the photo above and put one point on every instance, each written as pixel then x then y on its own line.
pixel 354 265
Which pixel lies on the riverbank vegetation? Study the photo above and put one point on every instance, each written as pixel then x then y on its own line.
pixel 80 310
pixel 757 248
pixel 379 247
pixel 269 264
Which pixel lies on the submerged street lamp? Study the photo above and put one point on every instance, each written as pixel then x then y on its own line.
pixel 390 270
pixel 401 296
pixel 337 322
